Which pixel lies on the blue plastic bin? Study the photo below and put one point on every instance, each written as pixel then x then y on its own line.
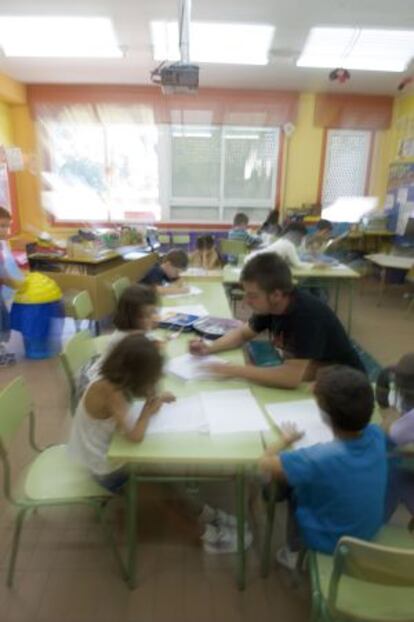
pixel 41 327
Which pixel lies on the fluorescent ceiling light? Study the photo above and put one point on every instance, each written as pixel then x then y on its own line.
pixel 215 42
pixel 58 37
pixel 242 137
pixel 358 48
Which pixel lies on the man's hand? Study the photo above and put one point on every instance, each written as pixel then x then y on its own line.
pixel 222 369
pixel 198 347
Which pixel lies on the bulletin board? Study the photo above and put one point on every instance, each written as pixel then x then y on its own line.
pixel 399 202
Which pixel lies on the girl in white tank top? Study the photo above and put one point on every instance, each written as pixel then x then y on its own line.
pixel 131 371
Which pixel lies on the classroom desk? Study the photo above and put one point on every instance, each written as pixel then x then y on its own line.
pixel 335 275
pixel 191 456
pixel 389 262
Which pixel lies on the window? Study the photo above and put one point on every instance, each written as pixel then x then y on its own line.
pixel 346 164
pixel 95 170
pixel 216 171
pixel 100 164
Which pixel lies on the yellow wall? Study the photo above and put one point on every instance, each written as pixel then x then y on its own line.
pixel 304 157
pixel 6 133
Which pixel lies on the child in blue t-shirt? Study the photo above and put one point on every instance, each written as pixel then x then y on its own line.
pixel 337 488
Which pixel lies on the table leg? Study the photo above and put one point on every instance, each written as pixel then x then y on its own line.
pixel 241 553
pixel 351 290
pixel 131 528
pixel 270 516
pixel 382 285
pixel 336 304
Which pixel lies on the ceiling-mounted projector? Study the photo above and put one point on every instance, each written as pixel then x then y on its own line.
pixel 182 77
pixel 178 78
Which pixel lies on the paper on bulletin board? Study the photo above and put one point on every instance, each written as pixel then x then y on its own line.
pixel 389 201
pixel 406 211
pixel 402 196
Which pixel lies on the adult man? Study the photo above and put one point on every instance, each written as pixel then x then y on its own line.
pixel 305 329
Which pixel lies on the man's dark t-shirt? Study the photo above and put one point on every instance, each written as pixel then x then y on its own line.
pixel 308 329
pixel 156 276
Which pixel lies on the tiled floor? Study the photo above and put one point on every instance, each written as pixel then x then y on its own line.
pixel 65 573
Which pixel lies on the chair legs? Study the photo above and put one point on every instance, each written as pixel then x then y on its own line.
pixel 15 546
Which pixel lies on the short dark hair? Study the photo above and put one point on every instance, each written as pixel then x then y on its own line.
pixel 269 271
pixel 295 227
pixel 205 242
pixel 323 224
pixel 346 396
pixel 131 306
pixel 4 213
pixel 177 258
pixel 240 219
pixel 134 365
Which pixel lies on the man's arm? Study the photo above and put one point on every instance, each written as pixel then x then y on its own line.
pixel 286 376
pixel 232 340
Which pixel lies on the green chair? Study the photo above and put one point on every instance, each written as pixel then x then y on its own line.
pixel 365 581
pixel 164 239
pixel 76 352
pixel 120 286
pixel 236 249
pixel 51 479
pixel 181 239
pixel 82 309
pixel 233 248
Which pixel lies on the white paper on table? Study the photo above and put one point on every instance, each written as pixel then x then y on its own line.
pixel 192 291
pixel 191 367
pixel 184 415
pixel 166 312
pixel 307 418
pixel 229 412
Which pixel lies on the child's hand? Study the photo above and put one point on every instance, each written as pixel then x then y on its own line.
pixel 266 464
pixel 290 433
pixel 167 397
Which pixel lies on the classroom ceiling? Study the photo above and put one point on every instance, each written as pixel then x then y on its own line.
pixel 292 19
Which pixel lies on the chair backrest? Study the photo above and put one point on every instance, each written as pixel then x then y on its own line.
pixel 372 563
pixel 119 286
pixel 181 238
pixel 164 239
pixel 76 352
pixel 82 306
pixel 410 275
pixel 15 406
pixel 233 247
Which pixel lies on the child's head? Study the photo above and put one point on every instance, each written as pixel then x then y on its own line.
pixel 136 308
pixel 175 262
pixel 241 220
pixel 323 228
pixel 5 221
pixel 205 242
pixel 404 381
pixel 134 366
pixel 345 395
pixel 295 231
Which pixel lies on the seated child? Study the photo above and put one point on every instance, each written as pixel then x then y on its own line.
pixel 131 371
pixel 336 488
pixel 239 231
pixel 168 271
pixel 287 245
pixel 316 242
pixel 205 256
pixel 398 422
pixel 135 313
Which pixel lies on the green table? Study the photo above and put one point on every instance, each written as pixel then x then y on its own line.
pixel 317 277
pixel 216 457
